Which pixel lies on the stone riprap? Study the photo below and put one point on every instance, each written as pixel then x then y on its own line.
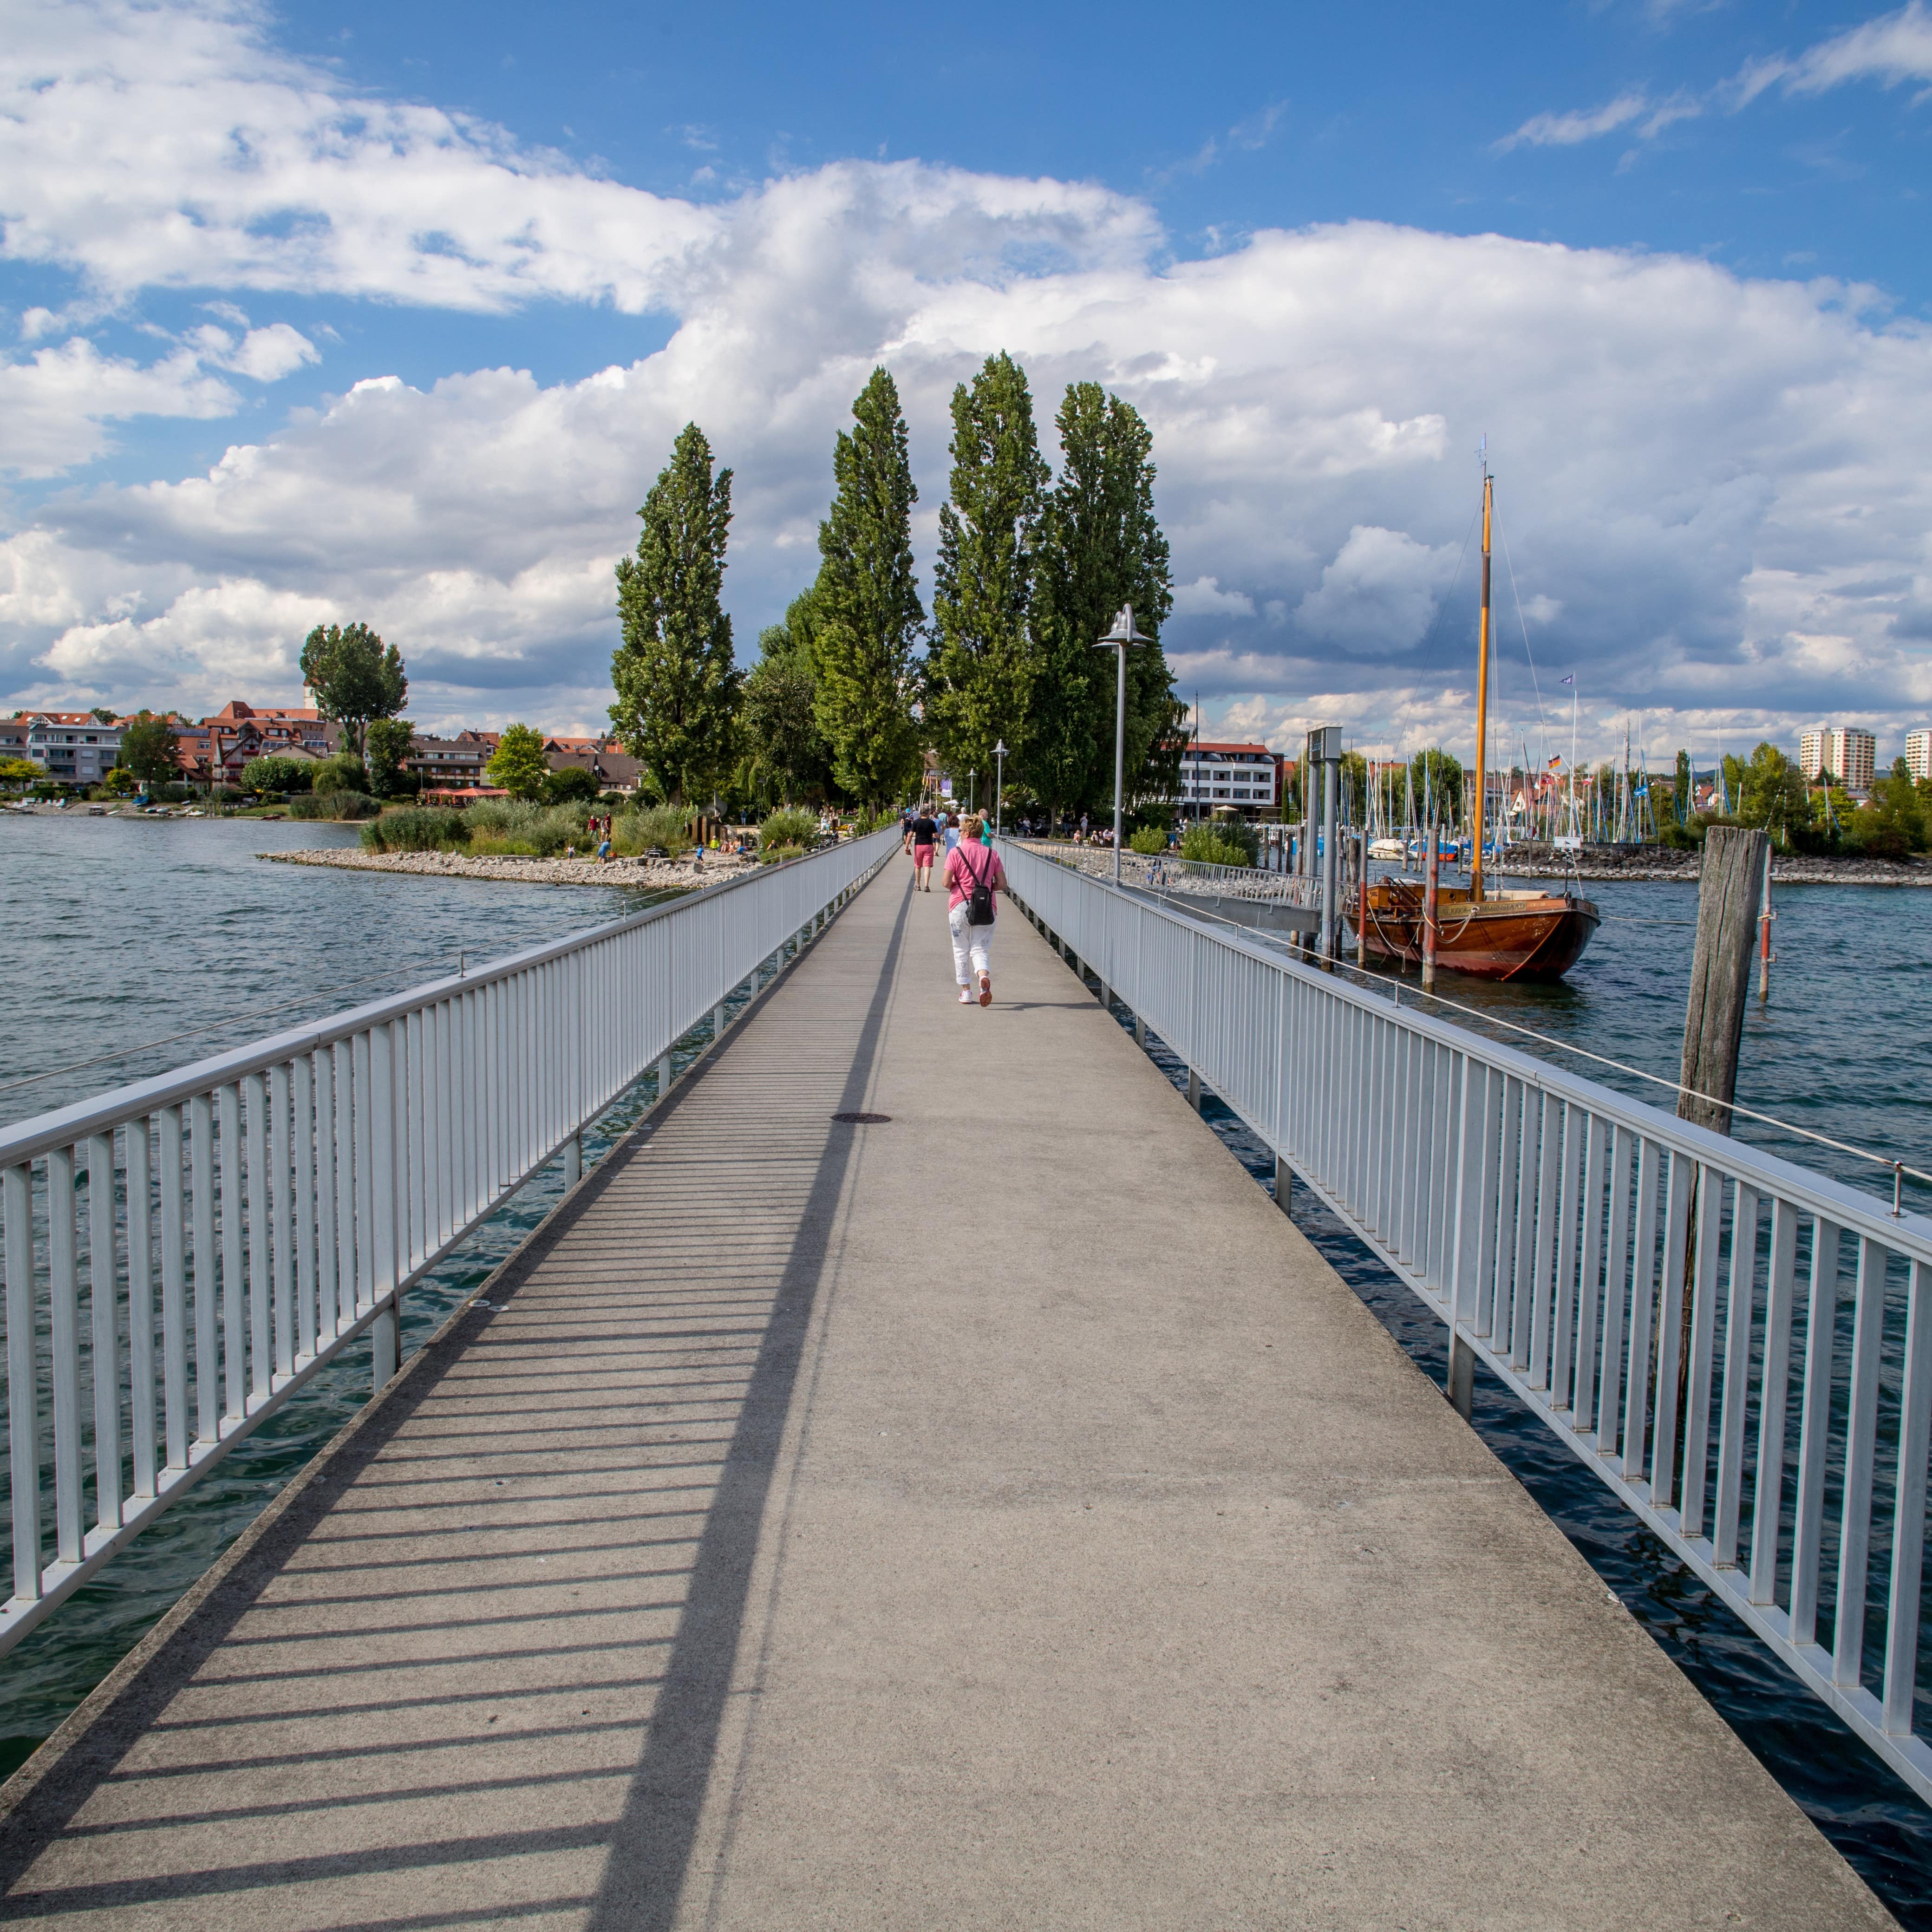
pixel 657 875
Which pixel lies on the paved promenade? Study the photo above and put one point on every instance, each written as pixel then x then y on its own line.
pixel 996 1517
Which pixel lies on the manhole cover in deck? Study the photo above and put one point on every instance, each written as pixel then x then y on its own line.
pixel 863 1119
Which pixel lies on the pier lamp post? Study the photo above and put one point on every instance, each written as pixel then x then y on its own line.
pixel 1117 640
pixel 972 776
pixel 999 782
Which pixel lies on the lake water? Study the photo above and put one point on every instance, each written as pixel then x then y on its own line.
pixel 122 936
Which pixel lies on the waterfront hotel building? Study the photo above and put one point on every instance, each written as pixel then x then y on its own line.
pixel 1918 754
pixel 1845 752
pixel 1245 776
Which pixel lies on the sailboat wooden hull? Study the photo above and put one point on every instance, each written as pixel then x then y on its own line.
pixel 1516 936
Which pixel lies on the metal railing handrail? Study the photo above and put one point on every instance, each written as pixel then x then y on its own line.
pixel 246 1218
pixel 1637 1280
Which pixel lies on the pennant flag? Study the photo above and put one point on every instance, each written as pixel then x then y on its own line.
pixel 1556 762
pixel 1570 680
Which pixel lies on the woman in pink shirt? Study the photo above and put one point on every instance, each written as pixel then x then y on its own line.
pixel 968 865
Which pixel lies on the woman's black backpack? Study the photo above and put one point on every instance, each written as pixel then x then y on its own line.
pixel 979 894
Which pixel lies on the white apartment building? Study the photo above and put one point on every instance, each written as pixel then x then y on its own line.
pixel 1244 775
pixel 1918 754
pixel 1847 753
pixel 74 747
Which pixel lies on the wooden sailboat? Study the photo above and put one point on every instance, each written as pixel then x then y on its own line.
pixel 1494 934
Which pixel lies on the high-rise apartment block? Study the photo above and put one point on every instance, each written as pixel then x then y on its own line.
pixel 1918 754
pixel 1845 752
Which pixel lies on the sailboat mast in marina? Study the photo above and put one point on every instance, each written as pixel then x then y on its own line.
pixel 1489 932
pixel 1482 682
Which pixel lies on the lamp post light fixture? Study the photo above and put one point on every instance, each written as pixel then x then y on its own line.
pixel 999 783
pixel 1117 640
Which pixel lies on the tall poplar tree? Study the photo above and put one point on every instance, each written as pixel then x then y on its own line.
pixel 787 759
pixel 865 605
pixel 1099 546
pixel 677 691
pixel 978 671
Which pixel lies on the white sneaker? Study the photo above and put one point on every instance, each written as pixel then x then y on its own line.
pixel 965 996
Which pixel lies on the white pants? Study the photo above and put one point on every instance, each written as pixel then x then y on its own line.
pixel 972 946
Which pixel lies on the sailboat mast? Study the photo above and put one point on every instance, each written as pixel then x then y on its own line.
pixel 1482 689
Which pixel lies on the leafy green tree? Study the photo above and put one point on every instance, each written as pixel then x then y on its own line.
pixel 568 785
pixel 517 763
pixel 1099 546
pixel 386 743
pixel 1682 799
pixel 1436 777
pixel 1772 794
pixel 19 771
pixel 788 757
pixel 354 678
pixel 868 615
pixel 272 773
pixel 344 772
pixel 151 751
pixel 677 692
pixel 1893 824
pixel 101 715
pixel 978 673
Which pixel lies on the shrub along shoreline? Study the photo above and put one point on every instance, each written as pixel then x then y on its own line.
pixel 508 828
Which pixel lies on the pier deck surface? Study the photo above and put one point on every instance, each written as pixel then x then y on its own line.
pixel 997 1517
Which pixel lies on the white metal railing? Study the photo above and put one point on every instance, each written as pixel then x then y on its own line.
pixel 182 1254
pixel 1741 1348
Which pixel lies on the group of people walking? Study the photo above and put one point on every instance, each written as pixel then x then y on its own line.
pixel 973 878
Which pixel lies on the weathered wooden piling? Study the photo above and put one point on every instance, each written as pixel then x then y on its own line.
pixel 1727 909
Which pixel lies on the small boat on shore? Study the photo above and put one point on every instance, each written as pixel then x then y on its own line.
pixel 1494 935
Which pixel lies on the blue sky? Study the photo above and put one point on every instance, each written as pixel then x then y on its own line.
pixel 1243 118
pixel 1670 258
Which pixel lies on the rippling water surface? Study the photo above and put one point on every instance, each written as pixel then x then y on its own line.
pixel 121 935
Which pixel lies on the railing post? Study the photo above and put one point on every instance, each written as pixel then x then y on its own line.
pixel 1140 1030
pixel 1462 1376
pixel 718 1023
pixel 1194 1090
pixel 573 1160
pixel 1284 1185
pixel 385 1343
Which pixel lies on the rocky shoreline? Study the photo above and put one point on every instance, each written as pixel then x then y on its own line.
pixel 1682 868
pixel 650 875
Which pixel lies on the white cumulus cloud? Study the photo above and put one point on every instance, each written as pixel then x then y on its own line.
pixel 1378 594
pixel 54 403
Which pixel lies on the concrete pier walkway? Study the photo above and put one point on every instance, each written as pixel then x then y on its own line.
pixel 995 1516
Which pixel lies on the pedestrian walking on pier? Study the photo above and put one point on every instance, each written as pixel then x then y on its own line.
pixel 974 877
pixel 922 836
